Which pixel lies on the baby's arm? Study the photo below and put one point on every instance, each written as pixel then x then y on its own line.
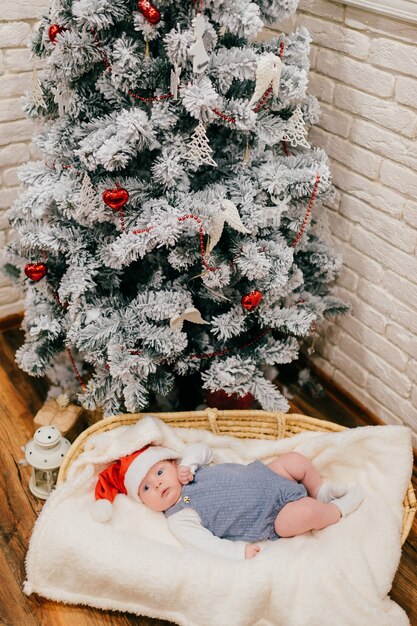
pixel 187 528
pixel 196 455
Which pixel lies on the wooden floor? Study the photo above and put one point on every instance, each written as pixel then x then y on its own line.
pixel 20 398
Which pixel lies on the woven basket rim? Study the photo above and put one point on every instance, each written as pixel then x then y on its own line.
pixel 254 424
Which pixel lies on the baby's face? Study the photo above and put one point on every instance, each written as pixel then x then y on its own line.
pixel 161 489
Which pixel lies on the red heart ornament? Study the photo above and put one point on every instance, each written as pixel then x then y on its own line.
pixel 115 198
pixel 251 300
pixel 35 271
pixel 149 11
pixel 53 31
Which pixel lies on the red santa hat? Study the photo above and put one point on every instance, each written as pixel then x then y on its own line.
pixel 125 476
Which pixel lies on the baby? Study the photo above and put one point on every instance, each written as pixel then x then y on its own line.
pixel 226 508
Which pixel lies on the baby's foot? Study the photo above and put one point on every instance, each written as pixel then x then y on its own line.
pixel 329 492
pixel 350 501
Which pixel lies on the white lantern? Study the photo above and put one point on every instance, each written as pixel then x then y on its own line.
pixel 45 453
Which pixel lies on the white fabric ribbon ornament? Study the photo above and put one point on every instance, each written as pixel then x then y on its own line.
pixel 229 214
pixel 191 314
pixel 268 73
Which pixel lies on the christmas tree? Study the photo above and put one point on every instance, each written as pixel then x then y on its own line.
pixel 169 229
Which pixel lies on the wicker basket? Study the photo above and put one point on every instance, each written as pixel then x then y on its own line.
pixel 243 424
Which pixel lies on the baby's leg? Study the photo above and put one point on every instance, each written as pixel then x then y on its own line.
pixel 301 516
pixel 295 466
pixel 296 518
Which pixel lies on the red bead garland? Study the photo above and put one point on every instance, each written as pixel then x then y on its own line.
pixel 223 116
pixel 284 145
pixel 152 98
pixel 100 50
pixel 64 167
pixel 263 99
pixel 143 230
pixel 76 372
pixel 307 215
pixel 202 249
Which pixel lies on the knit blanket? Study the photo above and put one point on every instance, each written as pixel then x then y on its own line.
pixel 340 575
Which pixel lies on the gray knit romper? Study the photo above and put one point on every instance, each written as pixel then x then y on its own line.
pixel 238 502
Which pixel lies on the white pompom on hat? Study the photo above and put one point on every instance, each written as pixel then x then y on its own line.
pixel 125 476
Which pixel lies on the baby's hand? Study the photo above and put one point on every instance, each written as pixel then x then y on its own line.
pixel 185 475
pixel 251 550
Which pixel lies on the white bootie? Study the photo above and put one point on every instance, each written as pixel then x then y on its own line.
pixel 350 501
pixel 329 492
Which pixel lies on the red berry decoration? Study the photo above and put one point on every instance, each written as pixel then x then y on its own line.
pixel 53 31
pixel 251 300
pixel 35 271
pixel 149 11
pixel 115 198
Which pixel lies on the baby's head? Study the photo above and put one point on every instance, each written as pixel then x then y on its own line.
pixel 161 489
pixel 148 475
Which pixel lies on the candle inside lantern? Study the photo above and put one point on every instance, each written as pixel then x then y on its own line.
pixel 45 453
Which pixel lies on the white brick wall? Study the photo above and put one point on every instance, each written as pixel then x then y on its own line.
pixel 364 72
pixel 17 20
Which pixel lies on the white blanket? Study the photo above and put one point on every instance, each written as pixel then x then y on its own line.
pixel 340 575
